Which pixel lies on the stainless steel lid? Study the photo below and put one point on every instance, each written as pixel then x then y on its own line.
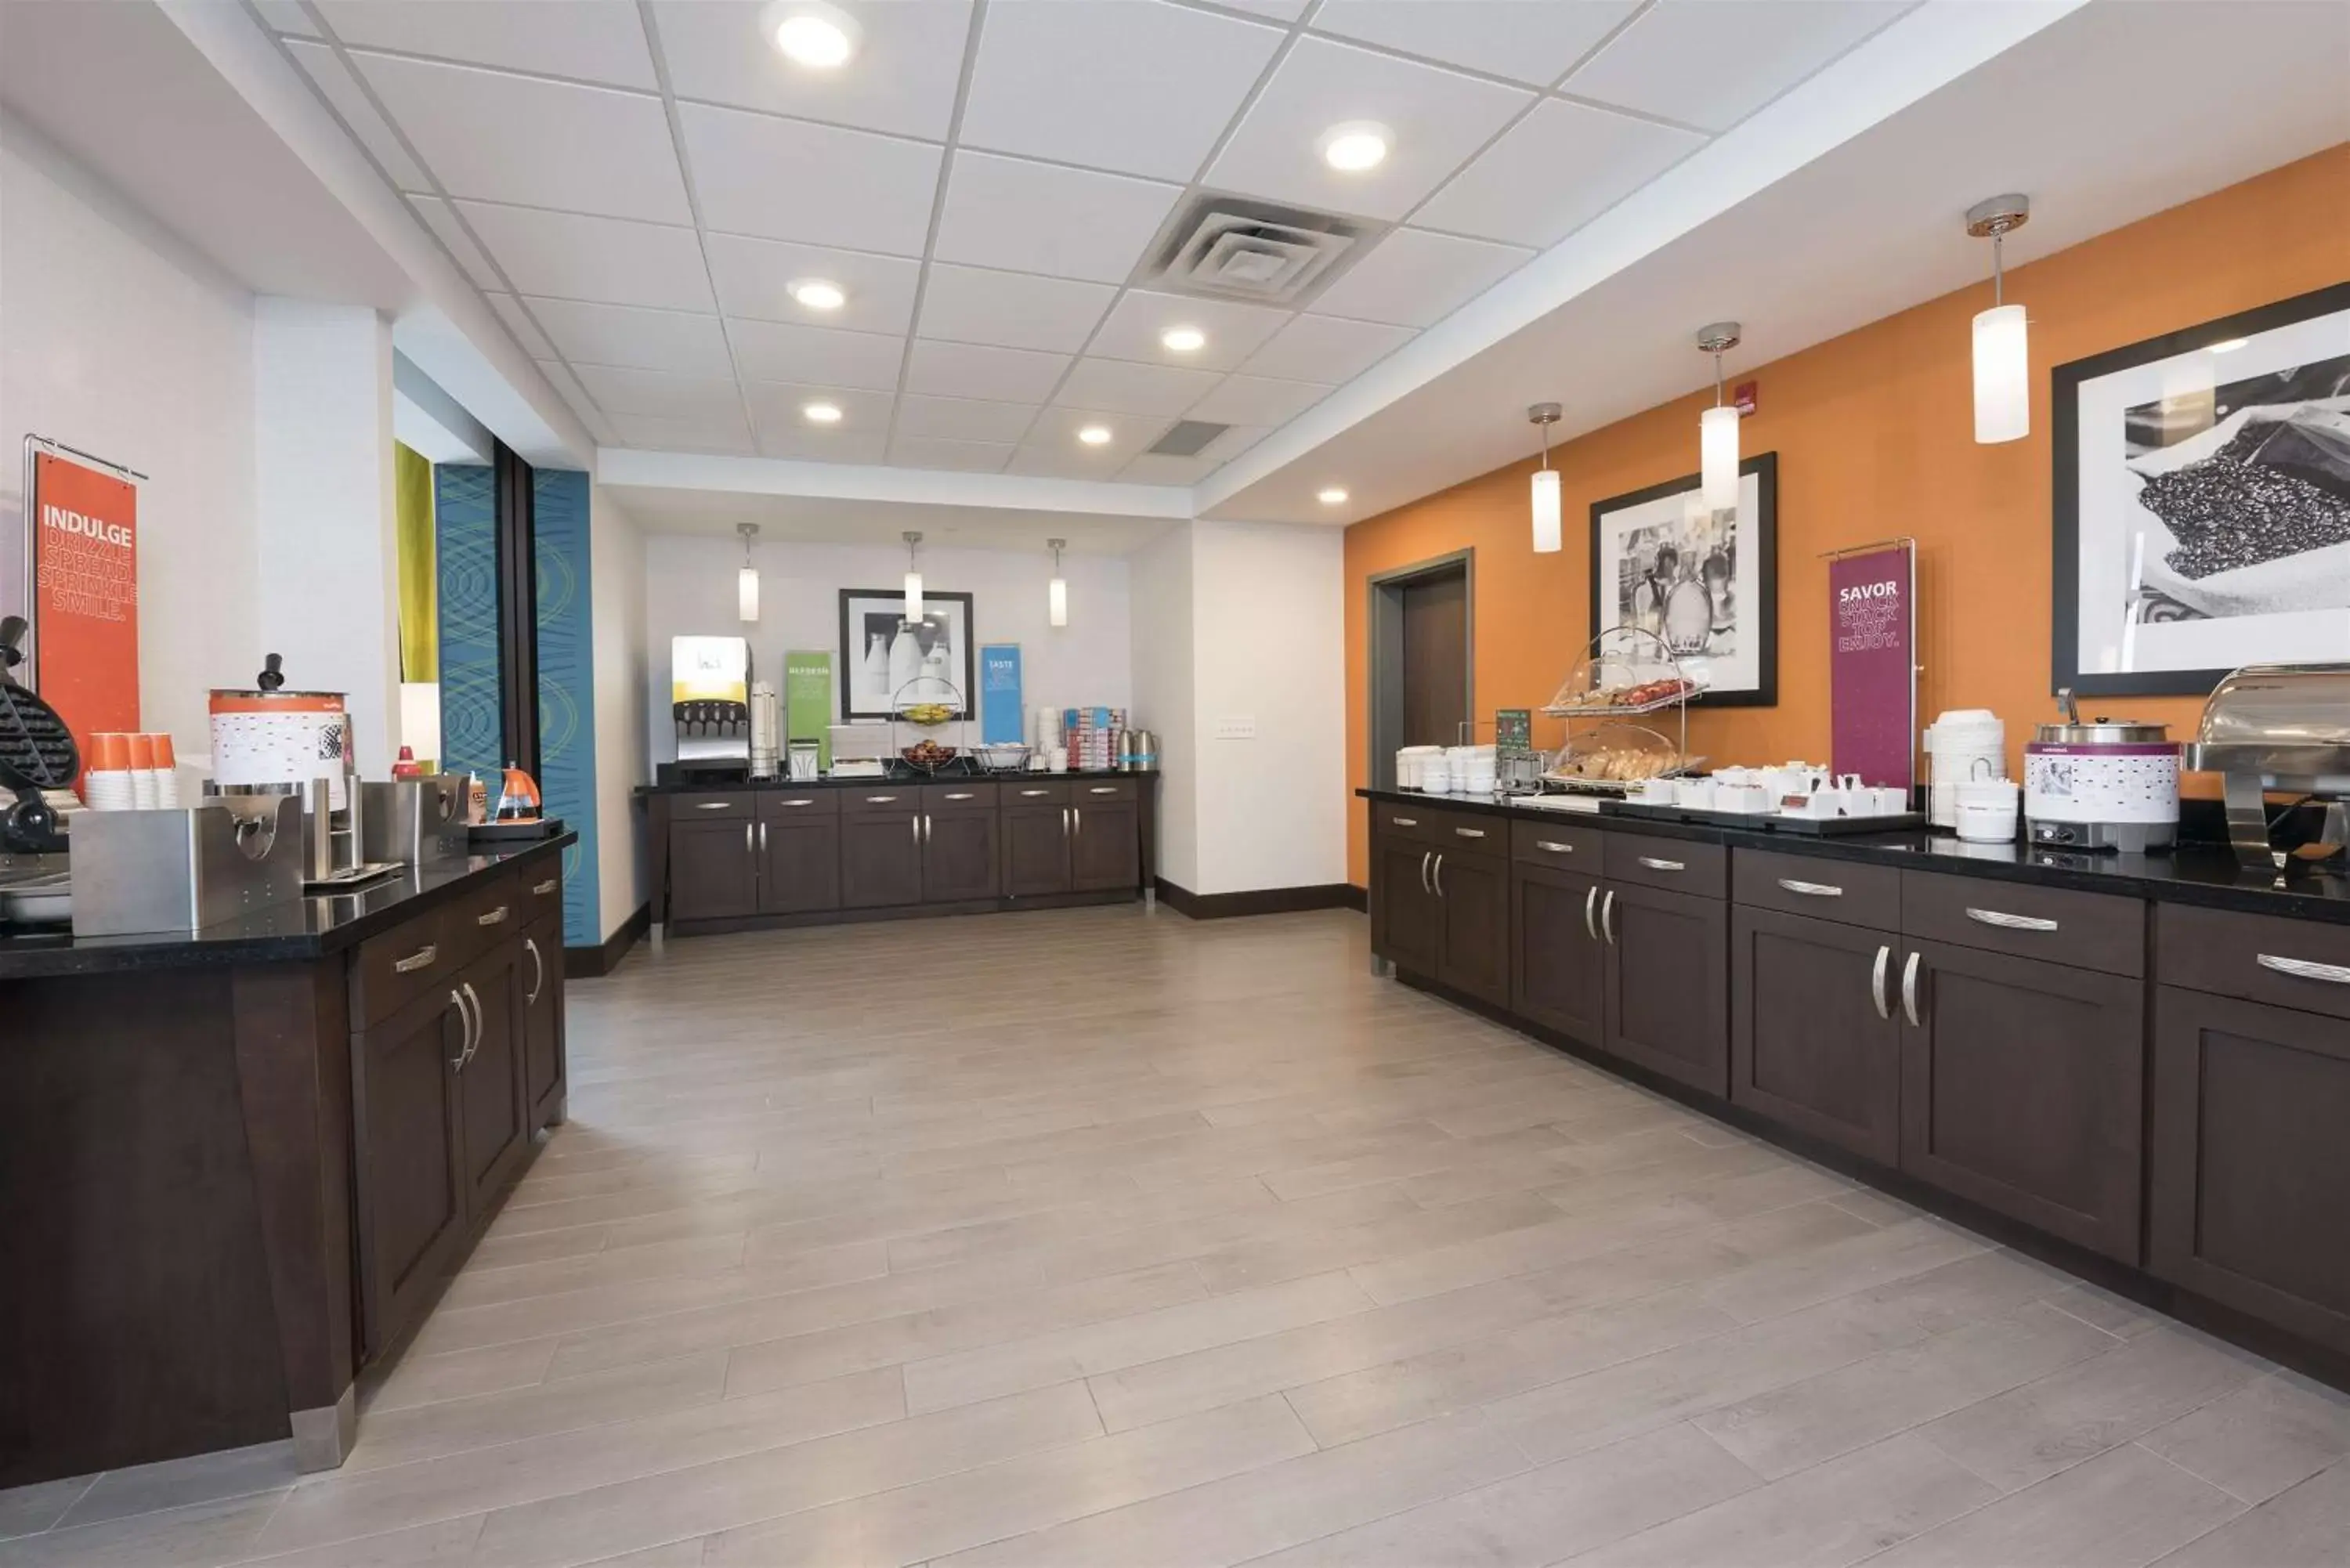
pixel 2103 731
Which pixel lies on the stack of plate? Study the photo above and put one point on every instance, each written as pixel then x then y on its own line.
pixel 1963 743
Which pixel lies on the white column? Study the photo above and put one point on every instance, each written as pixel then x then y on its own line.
pixel 328 591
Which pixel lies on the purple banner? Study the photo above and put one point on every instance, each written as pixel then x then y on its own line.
pixel 1871 693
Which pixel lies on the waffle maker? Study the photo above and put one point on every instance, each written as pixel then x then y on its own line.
pixel 36 753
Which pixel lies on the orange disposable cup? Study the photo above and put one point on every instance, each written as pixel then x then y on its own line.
pixel 110 753
pixel 164 759
pixel 142 752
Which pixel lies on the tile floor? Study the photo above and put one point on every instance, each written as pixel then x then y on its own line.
pixel 1105 1238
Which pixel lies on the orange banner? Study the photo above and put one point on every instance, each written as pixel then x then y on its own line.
pixel 86 596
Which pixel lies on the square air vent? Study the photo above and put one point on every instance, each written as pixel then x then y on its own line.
pixel 1227 247
pixel 1186 437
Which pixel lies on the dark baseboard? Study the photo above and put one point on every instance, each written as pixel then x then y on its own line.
pixel 1262 901
pixel 900 912
pixel 596 962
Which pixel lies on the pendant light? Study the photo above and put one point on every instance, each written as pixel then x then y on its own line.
pixel 913 575
pixel 1056 592
pixel 1546 498
pixel 746 581
pixel 1717 428
pixel 2003 356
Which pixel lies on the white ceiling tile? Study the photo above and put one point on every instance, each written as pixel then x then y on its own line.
pixel 1325 349
pixel 1526 41
pixel 443 222
pixel 1283 11
pixel 964 420
pixel 903 78
pixel 1052 448
pixel 1438 118
pixel 287 16
pixel 1034 217
pixel 753 275
pixel 355 109
pixel 525 331
pixel 1704 63
pixel 964 456
pixel 1235 441
pixel 635 338
pixel 651 392
pixel 1233 330
pixel 786 180
pixel 546 144
pixel 1010 309
pixel 563 255
pixel 773 352
pixel 776 408
pixel 1413 278
pixel 1255 400
pixel 969 370
pixel 559 376
pixel 653 432
pixel 1556 170
pixel 1123 386
pixel 812 445
pixel 1139 87
pixel 588 40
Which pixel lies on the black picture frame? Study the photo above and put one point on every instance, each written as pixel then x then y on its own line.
pixel 2064 383
pixel 856 602
pixel 1764 468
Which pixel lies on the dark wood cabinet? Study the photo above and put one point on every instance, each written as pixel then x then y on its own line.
pixel 1472 894
pixel 799 865
pixel 1407 920
pixel 492 1107
pixel 1036 850
pixel 1668 983
pixel 713 872
pixel 1105 846
pixel 960 857
pixel 544 1068
pixel 1813 1043
pixel 411 1193
pixel 2022 1088
pixel 2250 1190
pixel 1557 966
pixel 880 858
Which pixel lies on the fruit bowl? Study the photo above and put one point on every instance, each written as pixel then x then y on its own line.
pixel 927 755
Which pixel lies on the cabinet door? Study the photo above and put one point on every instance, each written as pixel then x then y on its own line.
pixel 1474 890
pixel 2022 1087
pixel 799 866
pixel 1668 983
pixel 542 1057
pixel 1407 918
pixel 1105 847
pixel 1036 850
pixel 493 1108
pixel 2251 1185
pixel 411 1197
pixel 1812 1042
pixel 960 857
pixel 880 859
pixel 713 873
pixel 1557 977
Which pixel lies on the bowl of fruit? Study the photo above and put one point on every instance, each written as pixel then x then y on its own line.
pixel 927 756
pixel 927 714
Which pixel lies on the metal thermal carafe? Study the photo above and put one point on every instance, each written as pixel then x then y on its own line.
pixel 2280 727
pixel 709 699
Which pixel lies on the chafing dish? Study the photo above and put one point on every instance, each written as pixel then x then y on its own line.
pixel 2283 727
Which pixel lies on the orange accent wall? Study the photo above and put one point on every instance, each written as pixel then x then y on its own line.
pixel 1875 439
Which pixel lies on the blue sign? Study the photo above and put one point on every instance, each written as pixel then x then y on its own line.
pixel 1001 716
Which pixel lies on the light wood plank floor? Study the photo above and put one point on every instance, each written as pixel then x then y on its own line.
pixel 1101 1237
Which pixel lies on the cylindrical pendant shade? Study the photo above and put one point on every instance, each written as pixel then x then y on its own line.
pixel 1056 602
pixel 1546 537
pixel 2002 376
pixel 913 596
pixel 746 593
pixel 1717 445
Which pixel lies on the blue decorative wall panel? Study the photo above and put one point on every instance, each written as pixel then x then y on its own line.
pixel 464 510
pixel 567 689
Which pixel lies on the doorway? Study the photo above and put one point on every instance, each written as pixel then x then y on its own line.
pixel 1422 622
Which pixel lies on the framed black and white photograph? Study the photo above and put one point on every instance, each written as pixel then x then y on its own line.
pixel 2202 502
pixel 889 663
pixel 1705 582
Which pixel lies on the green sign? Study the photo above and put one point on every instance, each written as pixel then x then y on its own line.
pixel 1513 731
pixel 807 701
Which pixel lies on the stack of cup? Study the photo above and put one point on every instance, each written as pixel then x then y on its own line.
pixel 1987 810
pixel 105 782
pixel 166 766
pixel 1961 744
pixel 1473 769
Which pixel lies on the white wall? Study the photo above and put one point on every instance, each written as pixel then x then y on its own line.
pixel 1164 689
pixel 116 337
pixel 689 588
pixel 616 617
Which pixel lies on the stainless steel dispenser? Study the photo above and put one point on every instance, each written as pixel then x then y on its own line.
pixel 136 872
pixel 418 822
pixel 2278 727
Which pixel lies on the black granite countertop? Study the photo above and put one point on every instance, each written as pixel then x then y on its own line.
pixel 2201 874
pixel 897 776
pixel 308 928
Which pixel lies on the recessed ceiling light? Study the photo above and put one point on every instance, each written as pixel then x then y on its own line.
pixel 1357 146
pixel 812 34
pixel 1334 497
pixel 2229 345
pixel 1095 435
pixel 820 413
pixel 817 293
pixel 1183 339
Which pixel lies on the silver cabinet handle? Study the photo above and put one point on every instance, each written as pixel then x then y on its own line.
pixel 1654 864
pixel 1590 921
pixel 804 800
pixel 1607 916
pixel 879 799
pixel 538 970
pixel 926 827
pixel 1812 889
pixel 1877 983
pixel 1554 845
pixel 1440 875
pixel 1064 822
pixel 543 888
pixel 1424 856
pixel 1033 794
pixel 422 958
pixel 763 838
pixel 496 917
pixel 480 1024
pixel 1077 820
pixel 2305 968
pixel 749 839
pixel 1910 990
pixel 713 805
pixel 1469 832
pixel 2008 922
pixel 1403 821
pixel 466 1023
pixel 1102 789
pixel 959 794
pixel 916 824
